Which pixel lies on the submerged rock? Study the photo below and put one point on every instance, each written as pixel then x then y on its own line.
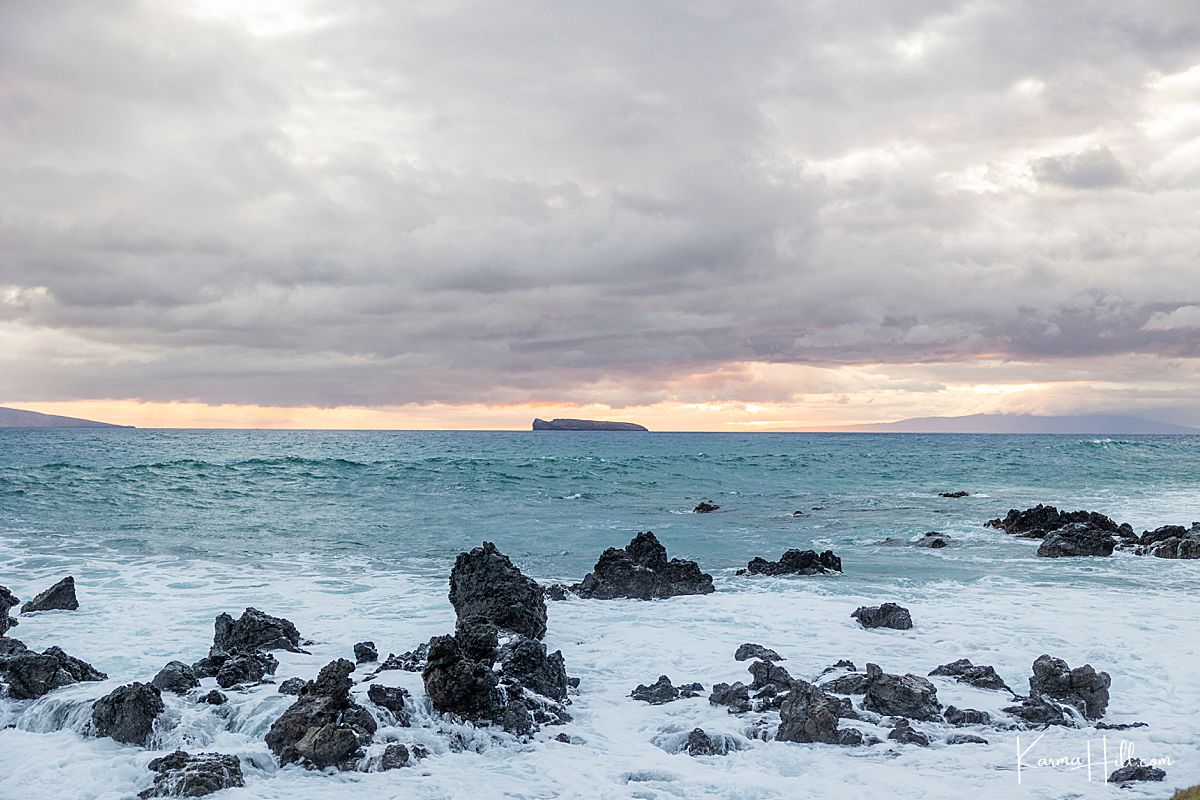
pixel 486 587
pixel 1036 522
pixel 888 615
pixel 395 756
pixel 641 571
pixel 214 698
pixel 908 696
pixel 1075 540
pixel 365 652
pixel 701 743
pixel 1170 541
pixel 904 733
pixel 7 601
pixel 932 540
pixel 954 495
pixel 253 631
pixel 59 597
pixel 30 675
pixel 981 677
pixel 394 699
pixel 965 738
pixel 181 774
pixel 657 693
pixel 796 562
pixel 324 727
pixel 1133 771
pixel 1082 688
pixel 749 650
pixel 127 713
pixel 705 507
pixel 176 677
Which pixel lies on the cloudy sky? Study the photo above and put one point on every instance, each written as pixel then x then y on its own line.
pixel 700 215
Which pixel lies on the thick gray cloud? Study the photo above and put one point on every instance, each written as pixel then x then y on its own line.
pixel 378 203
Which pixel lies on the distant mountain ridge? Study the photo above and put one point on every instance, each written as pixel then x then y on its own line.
pixel 17 418
pixel 584 425
pixel 1095 424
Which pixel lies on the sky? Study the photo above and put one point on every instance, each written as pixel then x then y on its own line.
pixel 694 215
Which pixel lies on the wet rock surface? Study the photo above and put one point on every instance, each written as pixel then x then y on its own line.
pixel 411 661
pixel 252 631
pixel 1040 712
pixel 904 733
pixel 460 685
pixel 981 677
pixel 365 653
pixel 245 668
pixel 749 650
pixel 30 675
pixel 182 774
pixel 59 597
pixel 1171 541
pixel 395 756
pixel 705 507
pixel 796 562
pixel 735 696
pixel 1036 522
pixel 486 587
pixel 394 699
pixel 526 661
pixel 662 691
pixel 324 727
pixel 1076 540
pixel 293 686
pixel 966 716
pixel 7 601
pixel 641 571
pixel 127 713
pixel 810 715
pixel 888 615
pixel 1134 771
pixel 176 677
pixel 701 743
pixel 908 696
pixel 1083 688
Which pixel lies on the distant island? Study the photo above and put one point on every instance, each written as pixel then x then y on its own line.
pixel 584 425
pixel 1092 424
pixel 16 418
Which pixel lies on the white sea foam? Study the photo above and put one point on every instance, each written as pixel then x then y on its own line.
pixel 135 617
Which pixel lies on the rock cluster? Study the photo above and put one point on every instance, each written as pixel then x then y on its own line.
pixel 641 571
pixel 324 727
pixel 59 597
pixel 181 774
pixel 795 562
pixel 981 677
pixel 1081 688
pixel 1170 541
pixel 809 714
pixel 1077 539
pixel 30 675
pixel 663 691
pixel 1036 522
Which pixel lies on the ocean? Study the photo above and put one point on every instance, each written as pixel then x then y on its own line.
pixel 351 535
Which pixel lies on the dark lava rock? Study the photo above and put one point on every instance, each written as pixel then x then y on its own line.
pixel 965 738
pixel 365 652
pixel 412 661
pixel 954 495
pixel 736 697
pixel 809 715
pixel 324 727
pixel 700 743
pixel 556 591
pixel 395 756
pixel 1082 687
pixel 933 540
pixel 981 677
pixel 841 663
pixel 641 571
pixel 1077 539
pixel 525 660
pixel 693 689
pixel 1040 712
pixel 214 698
pixel 1036 522
pixel 657 693
pixel 796 562
pixel 1119 726
pixel 966 716
pixel 908 696
pixel 905 733
pixel 176 677
pixel 7 601
pixel 1134 770
pixel 1170 541
pixel 10 647
pixel 246 668
pixel 888 615
pixel 59 597
pixel 766 673
pixel 181 774
pixel 293 686
pixel 393 698
pixel 705 507
pixel 127 713
pixel 748 651
pixel 30 675
pixel 478 641
pixel 458 685
pixel 853 683
pixel 252 631
pixel 486 587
